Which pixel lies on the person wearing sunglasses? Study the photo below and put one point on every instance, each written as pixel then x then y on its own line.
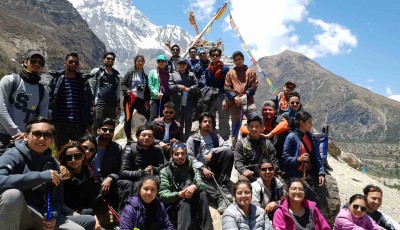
pixel 296 212
pixel 159 87
pixel 79 187
pixel 26 170
pixel 267 190
pixel 71 102
pixel 193 59
pixel 374 196
pixel 141 158
pixel 282 99
pixel 22 98
pixel 183 85
pixel 173 61
pixel 106 86
pixel 200 68
pixel 184 192
pixel 89 143
pixel 352 215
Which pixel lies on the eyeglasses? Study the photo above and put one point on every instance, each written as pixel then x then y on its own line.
pixel 202 53
pixel 215 55
pixel 36 61
pixel 105 129
pixel 180 145
pixel 75 156
pixel 267 169
pixel 110 59
pixel 73 62
pixel 294 189
pixel 91 149
pixel 169 112
pixel 362 208
pixel 39 134
pixel 160 61
pixel 295 103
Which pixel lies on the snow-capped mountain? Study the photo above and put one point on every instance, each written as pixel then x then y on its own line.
pixel 128 32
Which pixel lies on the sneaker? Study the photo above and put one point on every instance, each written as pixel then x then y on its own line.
pixel 221 205
pixel 227 192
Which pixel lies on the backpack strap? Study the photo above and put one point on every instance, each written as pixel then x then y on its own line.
pixel 41 96
pixel 16 80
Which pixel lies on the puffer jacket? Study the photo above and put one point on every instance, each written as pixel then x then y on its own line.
pixel 346 221
pixel 234 218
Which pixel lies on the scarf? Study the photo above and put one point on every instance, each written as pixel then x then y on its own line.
pixel 31 78
pixel 216 69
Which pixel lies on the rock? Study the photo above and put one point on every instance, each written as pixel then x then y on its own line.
pixel 333 150
pixel 351 160
pixel 217 219
pixel 329 199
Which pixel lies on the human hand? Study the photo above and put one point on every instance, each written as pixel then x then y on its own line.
pixel 18 136
pixel 207 158
pixel 181 87
pixel 321 180
pixel 49 224
pixel 238 102
pixel 129 92
pixel 163 145
pixel 304 158
pixel 270 206
pixel 248 173
pixel 105 186
pixel 146 105
pixel 172 141
pixel 159 96
pixel 149 169
pixel 225 105
pixel 207 173
pixel 55 177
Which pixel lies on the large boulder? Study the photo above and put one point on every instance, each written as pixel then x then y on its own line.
pixel 329 199
pixel 333 150
pixel 351 160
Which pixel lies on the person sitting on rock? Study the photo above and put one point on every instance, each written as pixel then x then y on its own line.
pixel 250 150
pixel 281 101
pixel 184 192
pixel 374 201
pixel 141 158
pixel 212 156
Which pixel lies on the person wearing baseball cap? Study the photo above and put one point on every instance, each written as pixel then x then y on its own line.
pixel 281 100
pixel 22 98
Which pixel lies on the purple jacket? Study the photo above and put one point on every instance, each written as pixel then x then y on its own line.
pixel 282 219
pixel 346 221
pixel 134 215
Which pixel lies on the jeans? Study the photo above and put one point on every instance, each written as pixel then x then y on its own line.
pixel 223 116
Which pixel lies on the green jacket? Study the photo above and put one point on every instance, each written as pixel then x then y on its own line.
pixel 154 83
pixel 168 192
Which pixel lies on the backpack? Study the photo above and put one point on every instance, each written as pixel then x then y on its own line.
pixel 15 83
pixel 179 186
pixel 98 75
pixel 248 154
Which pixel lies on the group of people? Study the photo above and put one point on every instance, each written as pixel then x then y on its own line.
pixel 166 177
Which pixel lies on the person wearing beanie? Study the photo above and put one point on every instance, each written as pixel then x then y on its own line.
pixel 22 98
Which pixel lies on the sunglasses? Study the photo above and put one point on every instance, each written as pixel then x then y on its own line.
pixel 110 59
pixel 193 52
pixel 169 112
pixel 91 149
pixel 270 169
pixel 73 62
pixel 36 61
pixel 362 208
pixel 75 156
pixel 202 53
pixel 181 145
pixel 160 61
pixel 295 103
pixel 175 49
pixel 39 134
pixel 215 55
pixel 105 129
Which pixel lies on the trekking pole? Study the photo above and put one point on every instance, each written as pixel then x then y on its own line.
pixel 159 109
pixel 115 214
pixel 49 189
pixel 304 170
pixel 220 191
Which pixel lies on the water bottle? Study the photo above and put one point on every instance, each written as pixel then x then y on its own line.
pixel 184 98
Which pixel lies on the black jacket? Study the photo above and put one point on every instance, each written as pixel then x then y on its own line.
pixel 159 130
pixel 111 161
pixel 127 82
pixel 136 159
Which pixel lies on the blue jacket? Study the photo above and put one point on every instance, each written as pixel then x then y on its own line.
pixel 291 151
pixel 209 79
pixel 134 215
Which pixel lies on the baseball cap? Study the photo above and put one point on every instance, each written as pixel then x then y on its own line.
pixel 291 83
pixel 182 60
pixel 201 50
pixel 161 57
pixel 33 53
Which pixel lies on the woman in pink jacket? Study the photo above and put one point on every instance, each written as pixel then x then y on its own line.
pixel 352 216
pixel 296 213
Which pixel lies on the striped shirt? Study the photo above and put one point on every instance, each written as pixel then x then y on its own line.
pixel 69 102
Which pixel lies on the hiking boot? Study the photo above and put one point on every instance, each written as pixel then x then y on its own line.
pixel 227 192
pixel 221 205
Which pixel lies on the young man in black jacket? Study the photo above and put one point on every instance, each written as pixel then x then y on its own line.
pixel 28 173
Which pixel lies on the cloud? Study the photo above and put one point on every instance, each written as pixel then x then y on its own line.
pixel 389 91
pixel 203 8
pixel 395 97
pixel 364 86
pixel 269 27
pixel 370 80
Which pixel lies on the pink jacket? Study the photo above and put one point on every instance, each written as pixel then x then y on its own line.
pixel 346 221
pixel 282 219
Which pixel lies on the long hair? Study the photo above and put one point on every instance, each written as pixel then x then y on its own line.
pixel 63 153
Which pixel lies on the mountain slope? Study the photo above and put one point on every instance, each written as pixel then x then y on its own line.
pixel 127 32
pixel 354 114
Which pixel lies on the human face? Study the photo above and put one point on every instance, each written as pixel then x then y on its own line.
pixel 90 149
pixel 74 158
pixel 306 125
pixel 169 113
pixel 254 128
pixel 175 51
pixel 161 64
pixel 296 192
pixel 215 56
pixel 268 112
pixel 356 206
pixel 288 89
pixel 238 60
pixel 192 53
pixel 243 196
pixel 109 60
pixel 139 63
pixel 206 124
pixel 146 138
pixel 294 103
pixel 71 64
pixel 182 67
pixel 203 56
pixel 374 201
pixel 267 171
pixel 106 132
pixel 179 155
pixel 148 191
pixel 39 143
pixel 37 67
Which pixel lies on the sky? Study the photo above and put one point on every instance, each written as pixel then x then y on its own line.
pixel 358 40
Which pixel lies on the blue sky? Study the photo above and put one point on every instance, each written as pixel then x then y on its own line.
pixel 357 40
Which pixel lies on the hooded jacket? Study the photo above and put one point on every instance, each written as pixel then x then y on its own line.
pixel 24 170
pixel 346 221
pixel 284 221
pixel 234 218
